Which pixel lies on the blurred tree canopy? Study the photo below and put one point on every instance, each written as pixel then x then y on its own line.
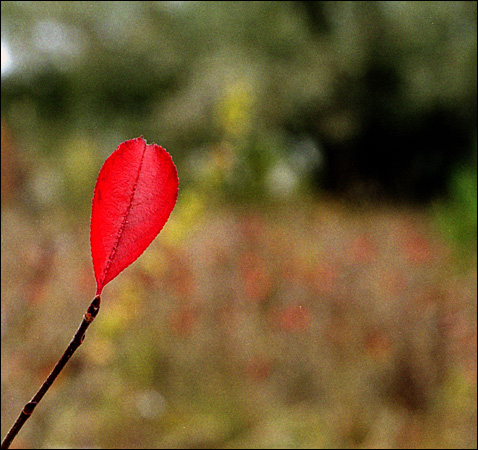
pixel 366 99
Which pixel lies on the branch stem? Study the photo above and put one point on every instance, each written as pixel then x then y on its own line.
pixel 77 340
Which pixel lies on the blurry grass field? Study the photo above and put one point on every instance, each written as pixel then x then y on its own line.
pixel 288 326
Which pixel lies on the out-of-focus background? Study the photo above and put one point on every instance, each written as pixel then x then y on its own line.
pixel 315 285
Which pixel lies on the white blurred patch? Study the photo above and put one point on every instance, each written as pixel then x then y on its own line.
pixel 281 180
pixel 6 59
pixel 307 155
pixel 58 39
pixel 46 186
pixel 151 404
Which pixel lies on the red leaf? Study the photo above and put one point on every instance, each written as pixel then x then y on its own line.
pixel 134 195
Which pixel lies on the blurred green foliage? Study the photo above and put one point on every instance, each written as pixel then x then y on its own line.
pixel 457 215
pixel 382 93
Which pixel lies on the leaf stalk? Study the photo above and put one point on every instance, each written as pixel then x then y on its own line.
pixel 77 340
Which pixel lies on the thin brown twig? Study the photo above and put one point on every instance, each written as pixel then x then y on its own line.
pixel 77 340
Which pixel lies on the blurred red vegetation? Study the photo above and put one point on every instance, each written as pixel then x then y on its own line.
pixel 362 249
pixel 292 319
pixel 322 312
pixel 182 321
pixel 256 279
pixel 11 168
pixel 259 368
pixel 178 274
